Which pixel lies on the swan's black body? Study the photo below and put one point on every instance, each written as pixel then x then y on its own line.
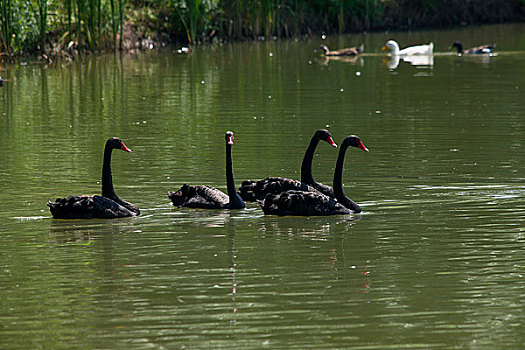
pixel 301 203
pixel 252 191
pixel 477 50
pixel 310 203
pixel 207 197
pixel 107 206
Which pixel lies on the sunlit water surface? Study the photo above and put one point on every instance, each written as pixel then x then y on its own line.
pixel 436 259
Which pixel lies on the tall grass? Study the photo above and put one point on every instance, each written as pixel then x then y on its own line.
pixel 47 25
pixel 42 21
pixel 62 25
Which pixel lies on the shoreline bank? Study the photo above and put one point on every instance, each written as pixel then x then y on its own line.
pixel 93 27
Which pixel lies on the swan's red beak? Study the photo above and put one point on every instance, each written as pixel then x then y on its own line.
pixel 363 147
pixel 331 141
pixel 230 139
pixel 124 148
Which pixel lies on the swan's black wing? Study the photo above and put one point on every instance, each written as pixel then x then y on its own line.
pixel 302 203
pixel 205 197
pixel 130 206
pixel 88 207
pixel 324 189
pixel 252 191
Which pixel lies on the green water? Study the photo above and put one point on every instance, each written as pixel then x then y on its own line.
pixel 436 259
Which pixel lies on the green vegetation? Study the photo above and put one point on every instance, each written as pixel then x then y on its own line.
pixel 64 26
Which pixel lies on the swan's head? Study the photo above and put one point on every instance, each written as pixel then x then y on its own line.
pixel 354 141
pixel 324 135
pixel 322 48
pixel 458 46
pixel 182 195
pixel 228 136
pixel 392 46
pixel 117 143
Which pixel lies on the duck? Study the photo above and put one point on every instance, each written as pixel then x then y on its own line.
pixel 408 51
pixel 351 51
pixel 477 50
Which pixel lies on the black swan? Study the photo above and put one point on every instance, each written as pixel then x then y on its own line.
pixel 252 191
pixel 107 206
pixel 302 203
pixel 482 49
pixel 351 51
pixel 207 197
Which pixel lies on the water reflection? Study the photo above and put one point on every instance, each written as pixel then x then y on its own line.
pixel 308 227
pixel 477 59
pixel 435 259
pixel 212 218
pixel 354 60
pixel 422 61
pixel 84 230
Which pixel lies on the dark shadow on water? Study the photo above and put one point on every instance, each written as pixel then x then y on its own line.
pixel 82 230
pixel 312 226
pixel 354 60
pixel 212 218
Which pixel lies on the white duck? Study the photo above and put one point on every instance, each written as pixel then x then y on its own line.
pixel 408 51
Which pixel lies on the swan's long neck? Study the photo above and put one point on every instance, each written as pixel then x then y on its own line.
pixel 306 167
pixel 235 199
pixel 338 182
pixel 230 183
pixel 107 178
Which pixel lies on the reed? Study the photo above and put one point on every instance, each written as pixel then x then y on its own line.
pixel 33 25
pixel 5 25
pixel 190 15
pixel 42 22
